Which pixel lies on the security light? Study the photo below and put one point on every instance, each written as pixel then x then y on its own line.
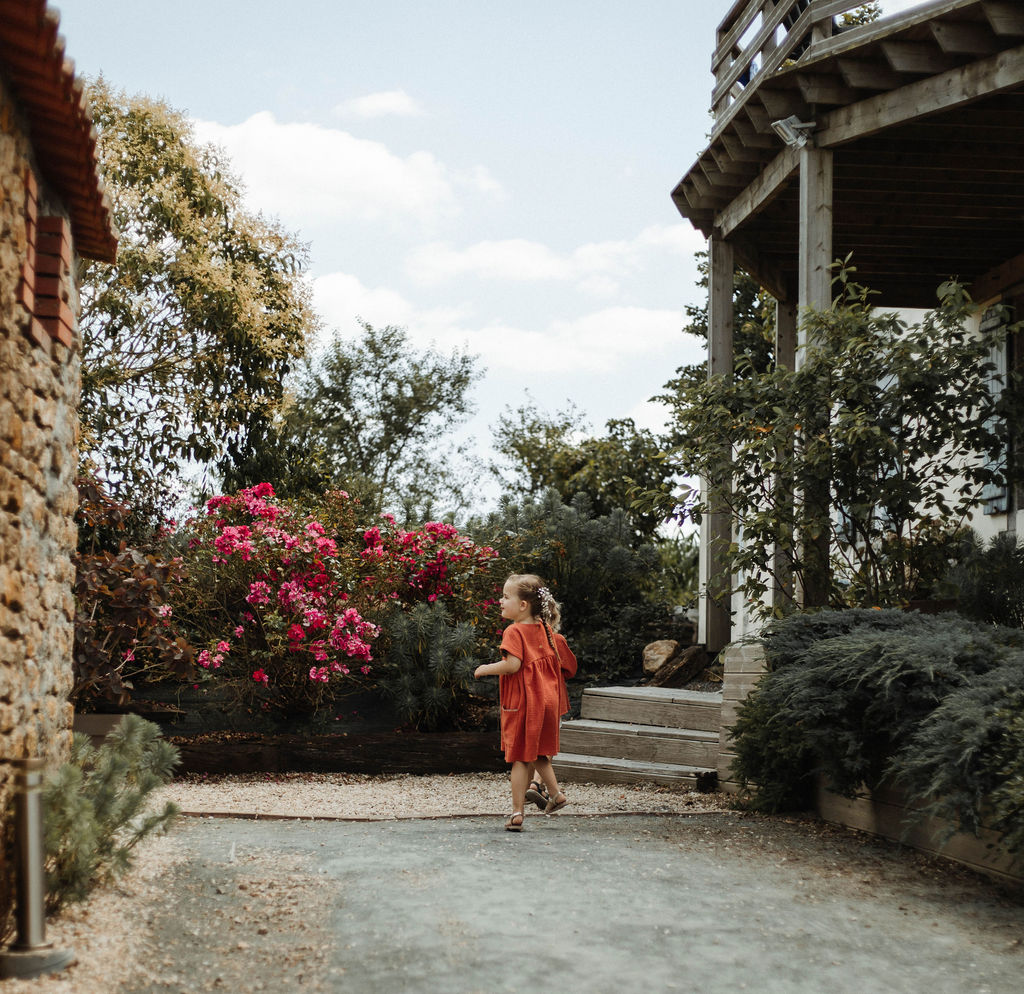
pixel 793 131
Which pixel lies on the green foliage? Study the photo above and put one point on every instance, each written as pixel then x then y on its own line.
pixel 188 337
pixel 930 702
pixel 889 432
pixel 96 807
pixel 865 14
pixel 544 451
pixel 608 584
pixel 989 582
pixel 123 624
pixel 369 416
pixel 428 665
pixel 1007 799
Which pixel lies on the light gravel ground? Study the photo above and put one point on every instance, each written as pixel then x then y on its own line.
pixel 359 797
pixel 108 931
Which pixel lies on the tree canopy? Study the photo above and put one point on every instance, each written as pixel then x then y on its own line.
pixel 555 451
pixel 191 333
pixel 375 416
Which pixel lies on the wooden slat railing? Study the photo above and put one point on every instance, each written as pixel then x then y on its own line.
pixel 782 30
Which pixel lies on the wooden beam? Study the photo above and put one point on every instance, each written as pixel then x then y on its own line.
pixel 739 152
pixel 820 89
pixel 959 38
pixel 760 192
pixel 781 103
pixel 1005 16
pixel 915 56
pixel 747 132
pixel 715 581
pixel 949 90
pixel 1005 275
pixel 767 275
pixel 815 253
pixel 864 74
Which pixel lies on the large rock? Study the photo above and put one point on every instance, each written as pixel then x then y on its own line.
pixel 657 654
pixel 682 669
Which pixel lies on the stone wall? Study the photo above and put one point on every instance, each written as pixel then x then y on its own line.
pixel 39 390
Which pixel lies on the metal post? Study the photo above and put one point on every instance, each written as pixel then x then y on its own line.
pixel 30 954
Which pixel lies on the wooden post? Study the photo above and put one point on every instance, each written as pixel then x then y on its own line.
pixel 815 291
pixel 714 624
pixel 782 487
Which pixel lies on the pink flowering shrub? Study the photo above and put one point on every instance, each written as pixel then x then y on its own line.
pixel 430 564
pixel 278 592
pixel 291 599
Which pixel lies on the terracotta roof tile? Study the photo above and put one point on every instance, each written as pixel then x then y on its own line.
pixel 33 62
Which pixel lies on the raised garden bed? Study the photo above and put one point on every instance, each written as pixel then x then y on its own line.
pixel 392 752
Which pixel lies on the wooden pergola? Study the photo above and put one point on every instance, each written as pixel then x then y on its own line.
pixel 900 142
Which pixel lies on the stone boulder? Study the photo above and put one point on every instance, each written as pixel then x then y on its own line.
pixel 657 654
pixel 679 671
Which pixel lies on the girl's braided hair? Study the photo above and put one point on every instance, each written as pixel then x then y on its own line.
pixel 530 588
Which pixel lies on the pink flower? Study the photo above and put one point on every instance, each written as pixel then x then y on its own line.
pixel 223 647
pixel 164 610
pixel 296 633
pixel 364 670
pixel 260 676
pixel 239 631
pixel 204 659
pixel 259 593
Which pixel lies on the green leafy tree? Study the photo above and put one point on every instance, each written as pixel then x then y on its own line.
pixel 544 451
pixel 371 415
pixel 190 334
pixel 898 434
pixel 611 587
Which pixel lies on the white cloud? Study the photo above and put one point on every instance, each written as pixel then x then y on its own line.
pixel 595 267
pixel 308 174
pixel 602 342
pixel 387 103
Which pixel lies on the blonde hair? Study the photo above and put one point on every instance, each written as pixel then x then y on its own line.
pixel 530 588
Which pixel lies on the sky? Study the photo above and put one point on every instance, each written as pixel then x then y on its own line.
pixel 488 177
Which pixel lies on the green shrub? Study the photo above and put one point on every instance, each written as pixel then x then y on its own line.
pixel 989 582
pixel 95 807
pixel 608 583
pixel 848 692
pixel 1007 800
pixel 428 665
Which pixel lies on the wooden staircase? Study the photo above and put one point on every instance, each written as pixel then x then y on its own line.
pixel 648 734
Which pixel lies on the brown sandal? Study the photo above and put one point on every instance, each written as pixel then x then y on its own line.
pixel 510 823
pixel 537 794
pixel 554 804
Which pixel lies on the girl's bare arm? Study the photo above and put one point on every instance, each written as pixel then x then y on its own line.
pixel 510 664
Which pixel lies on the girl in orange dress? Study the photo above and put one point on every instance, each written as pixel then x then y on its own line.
pixel 535 663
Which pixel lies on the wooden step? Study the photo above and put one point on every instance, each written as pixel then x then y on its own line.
pixel 654 706
pixel 573 768
pixel 645 743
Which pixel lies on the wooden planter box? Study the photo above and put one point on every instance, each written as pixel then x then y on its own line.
pixel 884 813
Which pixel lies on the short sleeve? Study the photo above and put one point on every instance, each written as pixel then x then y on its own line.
pixel 512 642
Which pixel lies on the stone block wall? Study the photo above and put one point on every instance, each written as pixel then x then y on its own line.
pixel 39 391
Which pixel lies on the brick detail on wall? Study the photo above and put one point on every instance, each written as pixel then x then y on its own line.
pixel 51 289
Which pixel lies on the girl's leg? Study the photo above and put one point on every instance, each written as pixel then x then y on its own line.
pixel 520 778
pixel 547 773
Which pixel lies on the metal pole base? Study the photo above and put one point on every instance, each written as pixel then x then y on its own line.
pixel 33 962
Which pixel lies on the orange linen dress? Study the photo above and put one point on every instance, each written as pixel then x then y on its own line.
pixel 534 697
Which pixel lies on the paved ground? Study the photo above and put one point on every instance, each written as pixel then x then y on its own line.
pixel 703 904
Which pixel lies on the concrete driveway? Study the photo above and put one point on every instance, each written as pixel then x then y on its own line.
pixel 702 904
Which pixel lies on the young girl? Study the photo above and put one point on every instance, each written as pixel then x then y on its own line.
pixel 536 660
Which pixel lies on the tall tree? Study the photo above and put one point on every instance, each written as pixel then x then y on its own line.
pixel 191 333
pixel 376 417
pixel 543 452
